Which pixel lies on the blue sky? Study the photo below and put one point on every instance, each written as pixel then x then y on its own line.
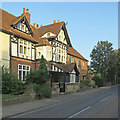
pixel 88 22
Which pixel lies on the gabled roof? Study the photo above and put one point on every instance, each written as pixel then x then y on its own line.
pixel 73 52
pixel 67 67
pixel 23 16
pixel 43 42
pixel 7 20
pixel 53 28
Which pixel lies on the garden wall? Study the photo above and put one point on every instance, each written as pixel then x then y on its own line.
pixel 72 87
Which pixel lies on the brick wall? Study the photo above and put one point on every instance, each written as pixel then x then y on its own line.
pixel 16 61
pixel 82 70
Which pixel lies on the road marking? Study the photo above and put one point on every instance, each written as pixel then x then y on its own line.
pixel 107 97
pixel 78 113
pixel 114 94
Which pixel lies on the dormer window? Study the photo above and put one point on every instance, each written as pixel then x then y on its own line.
pixel 23 26
pixel 48 34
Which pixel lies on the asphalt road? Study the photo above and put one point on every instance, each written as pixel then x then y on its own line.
pixel 102 103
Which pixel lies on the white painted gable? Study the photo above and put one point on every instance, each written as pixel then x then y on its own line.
pixel 73 71
pixel 23 26
pixel 61 37
pixel 48 34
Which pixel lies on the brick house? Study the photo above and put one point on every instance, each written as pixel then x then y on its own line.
pixel 22 45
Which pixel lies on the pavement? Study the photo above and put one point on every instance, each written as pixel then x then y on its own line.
pixel 64 105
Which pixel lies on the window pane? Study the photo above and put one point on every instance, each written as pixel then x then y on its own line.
pixel 25 42
pixel 28 67
pixel 23 75
pixel 48 34
pixel 24 67
pixel 28 43
pixel 79 63
pixel 22 27
pixel 20 66
pixel 21 41
pixel 28 51
pixel 18 25
pixel 20 75
pixel 25 49
pixel 21 49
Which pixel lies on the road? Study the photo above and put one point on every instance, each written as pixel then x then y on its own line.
pixel 100 103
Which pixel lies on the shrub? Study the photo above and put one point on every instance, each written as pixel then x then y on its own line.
pixel 11 84
pixel 40 76
pixel 42 91
pixel 47 91
pixel 98 80
pixel 84 83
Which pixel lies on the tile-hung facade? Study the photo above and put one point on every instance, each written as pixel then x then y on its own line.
pixel 23 45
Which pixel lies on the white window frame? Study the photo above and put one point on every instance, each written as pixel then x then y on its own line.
pixel 27 47
pixel 22 70
pixel 72 78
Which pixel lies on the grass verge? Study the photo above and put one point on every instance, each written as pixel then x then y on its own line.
pixel 10 96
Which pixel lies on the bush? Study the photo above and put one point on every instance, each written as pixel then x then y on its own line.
pixel 42 91
pixel 11 84
pixel 47 91
pixel 40 76
pixel 84 83
pixel 98 80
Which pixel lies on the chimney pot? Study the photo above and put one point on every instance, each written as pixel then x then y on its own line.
pixel 23 10
pixel 35 25
pixel 54 21
pixel 27 10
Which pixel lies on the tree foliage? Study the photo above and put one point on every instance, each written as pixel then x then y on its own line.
pixel 39 79
pixel 104 61
pixel 39 76
pixel 10 83
pixel 118 63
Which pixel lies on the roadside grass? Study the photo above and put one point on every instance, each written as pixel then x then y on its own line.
pixel 10 96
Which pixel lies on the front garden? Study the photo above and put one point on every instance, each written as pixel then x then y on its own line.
pixel 12 87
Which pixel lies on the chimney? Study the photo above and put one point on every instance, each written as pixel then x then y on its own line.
pixel 58 21
pixel 27 10
pixel 54 21
pixel 35 25
pixel 23 10
pixel 28 15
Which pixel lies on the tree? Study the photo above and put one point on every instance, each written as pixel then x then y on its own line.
pixel 98 80
pixel 43 72
pixel 101 59
pixel 112 70
pixel 40 76
pixel 118 63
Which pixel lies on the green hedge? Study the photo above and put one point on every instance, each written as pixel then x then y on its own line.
pixel 42 90
pixel 84 83
pixel 11 84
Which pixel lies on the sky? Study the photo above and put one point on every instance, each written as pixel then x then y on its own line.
pixel 88 22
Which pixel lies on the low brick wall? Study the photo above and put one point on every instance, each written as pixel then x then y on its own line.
pixel 72 87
